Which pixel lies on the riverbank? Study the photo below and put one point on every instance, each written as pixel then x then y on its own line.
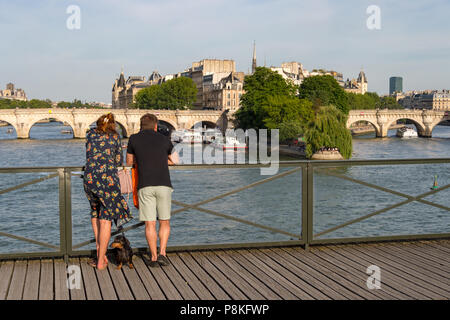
pixel 294 152
pixel 369 129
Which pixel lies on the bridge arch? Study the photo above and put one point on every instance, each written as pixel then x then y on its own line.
pixel 9 124
pixel 119 124
pixel 57 118
pixel 374 124
pixel 420 128
pixel 168 122
pixel 202 123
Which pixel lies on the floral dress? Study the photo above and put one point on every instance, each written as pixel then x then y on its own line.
pixel 101 181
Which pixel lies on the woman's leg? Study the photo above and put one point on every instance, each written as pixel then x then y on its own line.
pixel 104 236
pixel 96 229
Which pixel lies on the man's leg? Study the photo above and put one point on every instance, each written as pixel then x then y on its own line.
pixel 151 235
pixel 164 233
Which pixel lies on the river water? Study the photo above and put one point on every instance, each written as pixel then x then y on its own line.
pixel 33 211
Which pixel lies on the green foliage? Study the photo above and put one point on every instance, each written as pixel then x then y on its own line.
pixel 42 104
pixel 290 130
pixel 178 93
pixel 279 109
pixel 261 85
pixel 328 129
pixel 324 90
pixel 389 103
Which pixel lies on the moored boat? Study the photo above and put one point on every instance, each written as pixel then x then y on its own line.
pixel 406 132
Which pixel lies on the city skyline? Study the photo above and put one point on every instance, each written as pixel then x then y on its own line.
pixel 50 61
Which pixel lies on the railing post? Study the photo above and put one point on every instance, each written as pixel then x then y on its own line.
pixel 62 211
pixel 307 204
pixel 68 212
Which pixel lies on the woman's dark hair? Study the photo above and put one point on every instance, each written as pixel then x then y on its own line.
pixel 106 124
pixel 148 121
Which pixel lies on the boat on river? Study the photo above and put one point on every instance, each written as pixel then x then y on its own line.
pixel 406 132
pixel 229 143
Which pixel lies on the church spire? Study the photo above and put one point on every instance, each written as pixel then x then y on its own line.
pixel 254 57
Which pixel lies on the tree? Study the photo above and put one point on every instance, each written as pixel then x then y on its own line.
pixel 388 103
pixel 261 85
pixel 328 129
pixel 324 90
pixel 178 93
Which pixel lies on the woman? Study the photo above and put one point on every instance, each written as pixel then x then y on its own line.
pixel 101 184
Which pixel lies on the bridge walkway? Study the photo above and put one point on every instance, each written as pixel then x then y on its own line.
pixel 408 270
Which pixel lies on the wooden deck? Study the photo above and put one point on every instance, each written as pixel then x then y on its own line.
pixel 409 270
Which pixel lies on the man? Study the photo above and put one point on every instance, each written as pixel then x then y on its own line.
pixel 152 152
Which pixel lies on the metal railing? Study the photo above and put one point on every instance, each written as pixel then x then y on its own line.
pixel 305 237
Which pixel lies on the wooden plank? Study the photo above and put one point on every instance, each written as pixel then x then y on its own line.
pixel 61 288
pixel 31 289
pixel 136 285
pixel 278 278
pixel 17 281
pixel 361 265
pixel 46 282
pixel 147 279
pixel 234 277
pixel 6 270
pixel 443 245
pixel 387 278
pixel 170 291
pixel 403 269
pixel 251 278
pixel 357 276
pixel 402 275
pixel 342 276
pixel 203 276
pixel 233 291
pixel 77 294
pixel 179 282
pixel 90 283
pixel 329 287
pixel 416 261
pixel 197 286
pixel 120 284
pixel 432 253
pixel 290 276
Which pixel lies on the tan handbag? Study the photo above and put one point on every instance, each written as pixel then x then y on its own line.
pixel 126 185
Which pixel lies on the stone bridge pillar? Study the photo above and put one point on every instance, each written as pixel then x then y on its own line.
pixel 383 123
pixel 427 119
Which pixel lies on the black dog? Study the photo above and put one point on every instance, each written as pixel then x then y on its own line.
pixel 123 252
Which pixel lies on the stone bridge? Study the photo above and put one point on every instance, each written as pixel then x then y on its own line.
pixel 129 119
pixel 424 120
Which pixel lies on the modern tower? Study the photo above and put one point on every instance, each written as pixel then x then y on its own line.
pixel 395 85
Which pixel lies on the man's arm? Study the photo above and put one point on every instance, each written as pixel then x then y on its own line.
pixel 131 159
pixel 173 159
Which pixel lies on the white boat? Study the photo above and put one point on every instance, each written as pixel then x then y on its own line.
pixel 229 143
pixel 9 130
pixel 406 132
pixel 191 136
pixel 176 135
pixel 209 135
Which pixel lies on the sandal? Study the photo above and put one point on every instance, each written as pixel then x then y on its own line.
pixel 92 262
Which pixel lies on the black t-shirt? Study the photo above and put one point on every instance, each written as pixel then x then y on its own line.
pixel 151 150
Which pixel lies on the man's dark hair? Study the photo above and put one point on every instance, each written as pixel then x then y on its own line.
pixel 148 121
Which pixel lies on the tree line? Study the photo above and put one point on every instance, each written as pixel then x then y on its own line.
pixel 43 104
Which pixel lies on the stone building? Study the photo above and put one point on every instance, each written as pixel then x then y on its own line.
pixel 427 99
pixel 124 91
pixel 358 86
pixel 223 93
pixel 12 93
pixel 291 71
pixel 206 67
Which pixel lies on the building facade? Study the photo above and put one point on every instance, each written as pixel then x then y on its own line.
pixel 12 93
pixel 428 99
pixel 223 93
pixel 292 72
pixel 358 86
pixel 395 85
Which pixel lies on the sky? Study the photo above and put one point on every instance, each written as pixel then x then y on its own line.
pixel 41 55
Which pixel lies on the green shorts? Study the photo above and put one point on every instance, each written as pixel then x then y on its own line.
pixel 155 202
